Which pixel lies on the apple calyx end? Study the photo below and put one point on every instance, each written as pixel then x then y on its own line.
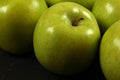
pixel 75 22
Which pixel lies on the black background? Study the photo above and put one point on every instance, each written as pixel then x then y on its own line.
pixel 26 67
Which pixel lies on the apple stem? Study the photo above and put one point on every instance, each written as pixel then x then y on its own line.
pixel 75 22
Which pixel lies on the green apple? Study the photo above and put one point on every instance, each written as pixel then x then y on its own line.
pixel 17 21
pixel 110 52
pixel 66 38
pixel 106 13
pixel 86 3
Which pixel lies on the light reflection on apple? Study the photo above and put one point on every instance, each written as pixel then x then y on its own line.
pixel 117 42
pixel 35 3
pixel 50 30
pixel 86 14
pixel 75 10
pixel 66 18
pixel 109 8
pixel 4 9
pixel 90 32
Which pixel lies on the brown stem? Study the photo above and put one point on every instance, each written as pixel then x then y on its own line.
pixel 75 22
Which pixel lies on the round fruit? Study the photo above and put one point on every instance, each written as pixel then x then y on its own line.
pixel 17 21
pixel 66 38
pixel 110 52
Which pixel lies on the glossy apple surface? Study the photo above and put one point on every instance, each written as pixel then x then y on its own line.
pixel 86 3
pixel 106 13
pixel 17 21
pixel 66 38
pixel 110 52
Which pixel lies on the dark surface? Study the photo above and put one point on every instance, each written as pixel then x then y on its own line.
pixel 27 68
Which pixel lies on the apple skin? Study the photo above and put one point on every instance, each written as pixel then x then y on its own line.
pixel 86 3
pixel 106 13
pixel 63 47
pixel 17 21
pixel 110 52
